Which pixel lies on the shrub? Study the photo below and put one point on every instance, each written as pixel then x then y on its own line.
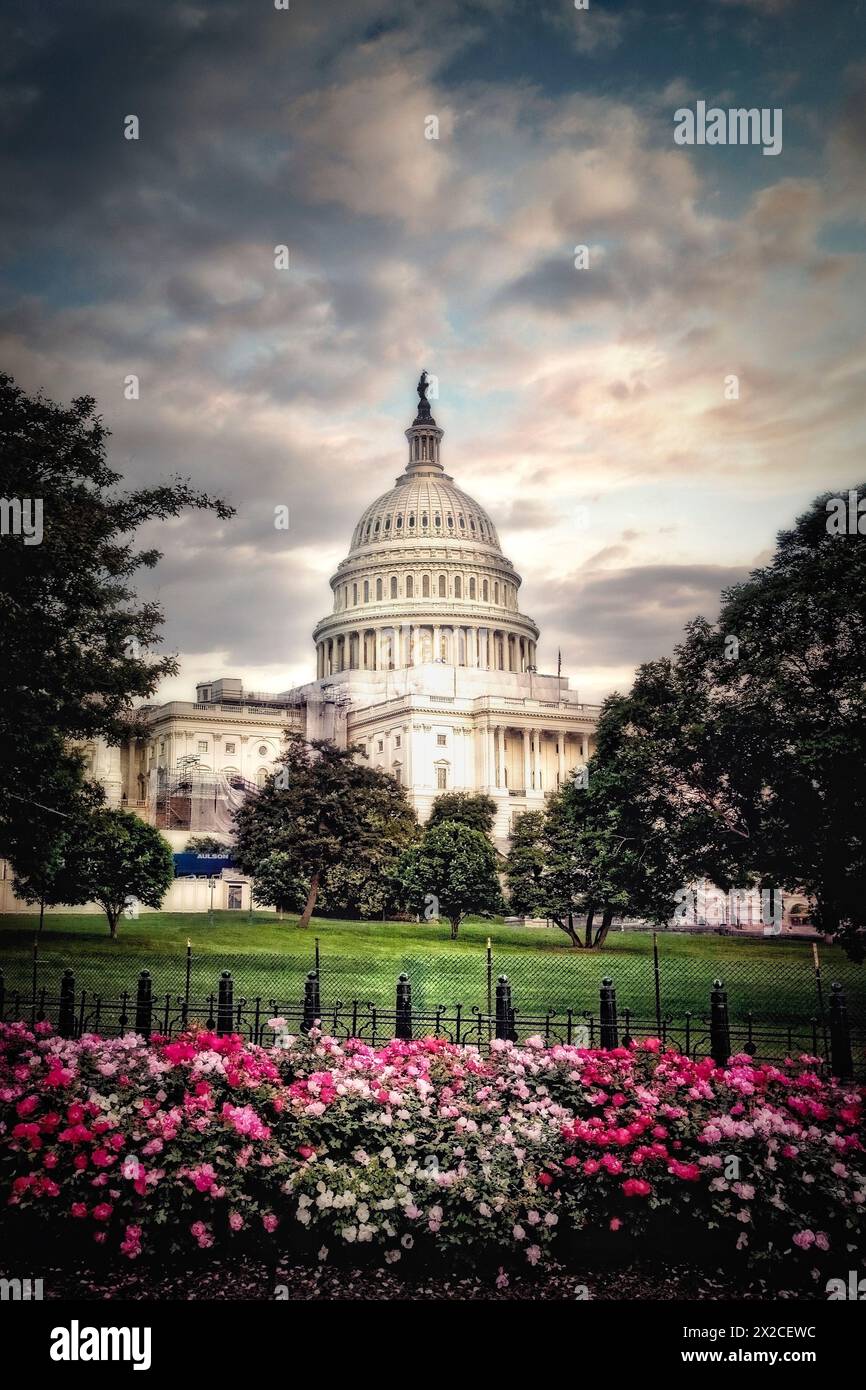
pixel 424 1147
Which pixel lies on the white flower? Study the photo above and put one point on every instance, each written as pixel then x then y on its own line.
pixel 392 1256
pixel 323 1252
pixel 349 1233
pixel 407 1241
pixel 362 1211
pixel 518 1233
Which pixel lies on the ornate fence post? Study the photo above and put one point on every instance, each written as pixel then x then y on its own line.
pixel 403 1020
pixel 608 1030
pixel 66 1013
pixel 225 1003
pixel 505 1029
pixel 312 1002
pixel 720 1028
pixel 841 1060
pixel 144 1004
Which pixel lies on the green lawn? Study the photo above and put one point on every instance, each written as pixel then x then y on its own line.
pixel 775 979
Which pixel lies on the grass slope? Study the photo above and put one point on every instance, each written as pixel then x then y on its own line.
pixel 775 979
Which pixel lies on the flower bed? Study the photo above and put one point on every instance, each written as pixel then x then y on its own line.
pixel 423 1149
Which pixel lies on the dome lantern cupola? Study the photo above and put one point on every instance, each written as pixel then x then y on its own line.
pixel 424 435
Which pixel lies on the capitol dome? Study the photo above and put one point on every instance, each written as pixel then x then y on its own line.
pixel 421 504
pixel 425 578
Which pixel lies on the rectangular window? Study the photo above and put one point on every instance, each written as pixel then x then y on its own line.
pixel 441 778
pixel 442 740
pixel 202 745
pixel 397 741
pixel 379 746
pixel 230 748
pixel 235 897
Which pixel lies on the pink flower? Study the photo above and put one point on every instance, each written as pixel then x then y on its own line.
pixel 102 1212
pixel 804 1239
pixel 615 1223
pixel 270 1222
pixel 636 1187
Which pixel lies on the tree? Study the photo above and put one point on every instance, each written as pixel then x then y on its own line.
pixel 456 866
pixel 785 668
pixel 276 883
pixel 524 867
pixel 323 809
pixel 120 857
pixel 51 819
pixel 206 844
pixel 550 868
pixel 475 809
pixel 74 638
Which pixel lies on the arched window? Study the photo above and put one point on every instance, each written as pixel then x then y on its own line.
pixel 393 586
pixel 496 592
pixel 458 587
pixel 485 590
pixel 261 776
pixel 411 523
pixel 354 593
pixel 378 588
pixel 472 586
pixel 442 586
pixel 366 591
pixel 425 586
pixel 399 523
pixel 410 586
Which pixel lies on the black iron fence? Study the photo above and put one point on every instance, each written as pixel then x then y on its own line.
pixel 840 1048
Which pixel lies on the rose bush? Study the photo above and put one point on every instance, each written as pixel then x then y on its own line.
pixel 423 1147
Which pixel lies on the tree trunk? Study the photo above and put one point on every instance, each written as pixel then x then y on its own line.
pixel 112 916
pixel 311 901
pixel 568 928
pixel 41 916
pixel 589 920
pixel 607 918
pixel 455 927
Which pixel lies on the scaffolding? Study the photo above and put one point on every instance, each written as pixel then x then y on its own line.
pixel 194 798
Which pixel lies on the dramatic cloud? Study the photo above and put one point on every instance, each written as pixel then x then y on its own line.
pixel 639 428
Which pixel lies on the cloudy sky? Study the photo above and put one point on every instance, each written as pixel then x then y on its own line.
pixel 585 408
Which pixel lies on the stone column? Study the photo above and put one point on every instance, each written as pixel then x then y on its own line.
pixel 378 647
pixel 437 642
pixel 527 777
pixel 537 780
pixel 502 778
pixel 584 747
pixel 561 745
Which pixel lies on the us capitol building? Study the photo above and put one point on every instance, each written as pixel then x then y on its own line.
pixel 425 660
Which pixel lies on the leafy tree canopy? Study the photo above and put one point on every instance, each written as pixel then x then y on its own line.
pixel 74 638
pixel 454 871
pixel 475 809
pixel 325 811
